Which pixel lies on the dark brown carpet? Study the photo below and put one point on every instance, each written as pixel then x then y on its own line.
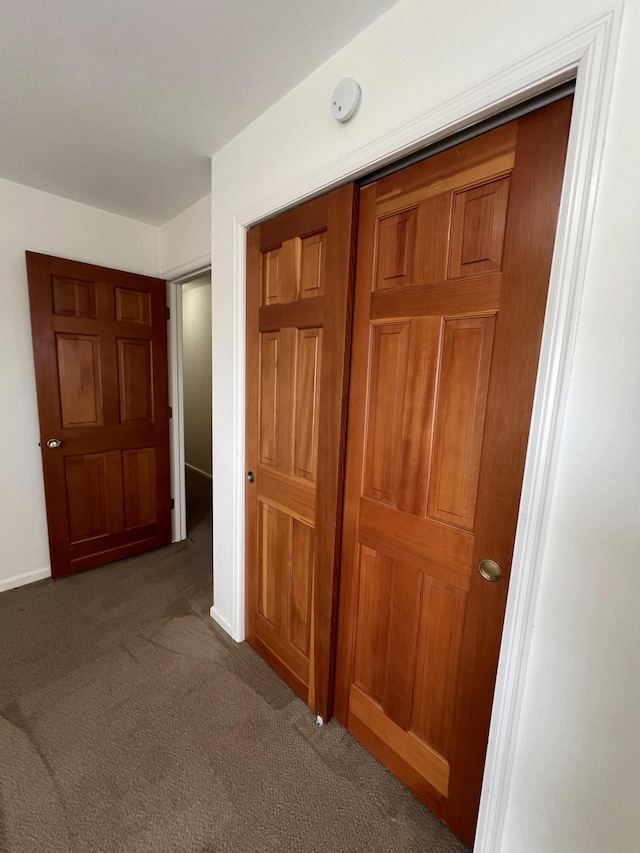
pixel 130 723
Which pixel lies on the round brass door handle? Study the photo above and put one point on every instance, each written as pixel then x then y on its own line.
pixel 490 570
pixel 54 443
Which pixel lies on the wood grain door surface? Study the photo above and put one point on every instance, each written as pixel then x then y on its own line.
pixel 299 282
pixel 100 352
pixel 453 264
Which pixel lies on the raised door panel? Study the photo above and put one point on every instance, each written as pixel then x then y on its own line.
pixel 436 664
pixel 478 227
pixel 276 392
pixel 396 249
pixel 404 363
pixel 286 575
pixel 370 658
pixel 268 400
pixel 417 430
pixel 80 380
pixel 313 265
pixel 281 273
pixel 285 579
pixel 465 360
pixel 301 583
pixel 73 298
pixel 387 387
pixel 132 306
pixel 139 487
pixel 87 496
pixel 406 646
pixel 135 380
pixel 305 436
pixel 406 583
pixel 275 528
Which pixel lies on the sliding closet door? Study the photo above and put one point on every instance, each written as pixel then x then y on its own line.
pixel 299 283
pixel 454 256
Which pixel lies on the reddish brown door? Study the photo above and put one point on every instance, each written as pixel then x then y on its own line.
pixel 299 276
pixel 100 351
pixel 453 265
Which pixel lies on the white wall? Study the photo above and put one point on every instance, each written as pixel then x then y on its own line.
pixel 578 761
pixel 30 219
pixel 577 770
pixel 185 241
pixel 196 369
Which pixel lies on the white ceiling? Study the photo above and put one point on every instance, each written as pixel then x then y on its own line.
pixel 120 103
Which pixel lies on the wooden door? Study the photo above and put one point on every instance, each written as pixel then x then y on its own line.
pixel 100 351
pixel 454 256
pixel 299 277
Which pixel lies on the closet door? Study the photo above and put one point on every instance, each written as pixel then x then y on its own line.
pixel 454 256
pixel 299 285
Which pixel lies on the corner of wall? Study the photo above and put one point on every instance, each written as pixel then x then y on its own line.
pixel 185 241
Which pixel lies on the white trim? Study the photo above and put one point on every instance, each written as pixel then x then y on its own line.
pixel 176 401
pixel 198 471
pixel 188 270
pixel 222 621
pixel 239 323
pixel 594 79
pixel 589 55
pixel 25 578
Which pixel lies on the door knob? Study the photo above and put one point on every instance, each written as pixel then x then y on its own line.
pixel 490 571
pixel 54 443
pixel 251 476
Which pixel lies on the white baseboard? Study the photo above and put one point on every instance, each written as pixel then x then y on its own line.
pixel 198 471
pixel 222 621
pixel 23 579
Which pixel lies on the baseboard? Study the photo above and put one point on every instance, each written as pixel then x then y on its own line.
pixel 198 471
pixel 27 577
pixel 222 621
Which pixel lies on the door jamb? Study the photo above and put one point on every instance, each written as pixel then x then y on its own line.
pixel 588 54
pixel 176 399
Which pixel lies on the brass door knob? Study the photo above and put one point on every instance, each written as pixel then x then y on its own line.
pixel 490 571
pixel 54 443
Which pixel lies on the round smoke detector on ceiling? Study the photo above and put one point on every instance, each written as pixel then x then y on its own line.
pixel 346 99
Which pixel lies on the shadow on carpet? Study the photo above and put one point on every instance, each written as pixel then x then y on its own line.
pixel 129 722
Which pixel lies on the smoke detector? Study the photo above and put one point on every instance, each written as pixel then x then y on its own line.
pixel 345 99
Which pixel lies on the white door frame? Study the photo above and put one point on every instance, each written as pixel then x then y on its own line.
pixel 176 399
pixel 588 55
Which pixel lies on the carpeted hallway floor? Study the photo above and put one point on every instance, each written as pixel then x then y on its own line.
pixel 129 723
